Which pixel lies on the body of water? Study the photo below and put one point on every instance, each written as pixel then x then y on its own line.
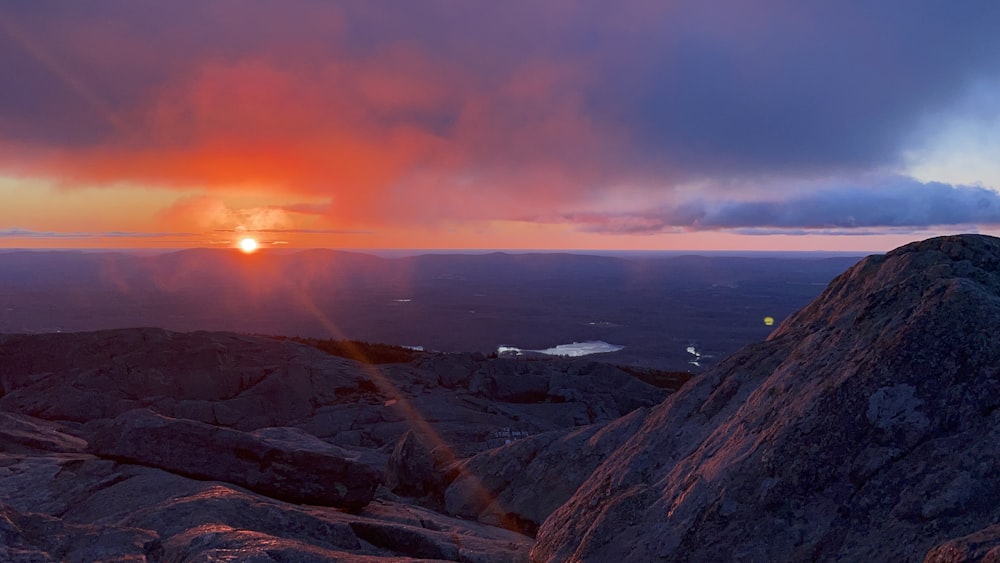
pixel 574 350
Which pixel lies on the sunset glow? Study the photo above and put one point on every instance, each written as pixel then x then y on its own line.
pixel 248 245
pixel 627 125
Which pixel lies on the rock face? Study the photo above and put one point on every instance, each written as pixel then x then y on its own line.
pixel 517 486
pixel 864 429
pixel 416 467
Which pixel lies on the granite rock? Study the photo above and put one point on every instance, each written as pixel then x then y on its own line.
pixel 297 470
pixel 863 429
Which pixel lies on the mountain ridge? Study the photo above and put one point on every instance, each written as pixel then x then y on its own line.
pixel 860 430
pixel 863 428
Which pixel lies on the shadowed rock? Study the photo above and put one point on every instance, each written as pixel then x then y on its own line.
pixel 262 462
pixel 76 507
pixel 417 467
pixel 32 537
pixel 864 429
pixel 248 383
pixel 517 486
pixel 218 378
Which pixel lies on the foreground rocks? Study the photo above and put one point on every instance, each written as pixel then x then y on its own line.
pixel 60 503
pixel 247 383
pixel 145 444
pixel 864 429
pixel 301 471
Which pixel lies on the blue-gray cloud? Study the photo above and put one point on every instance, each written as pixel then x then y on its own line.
pixel 898 204
pixel 697 89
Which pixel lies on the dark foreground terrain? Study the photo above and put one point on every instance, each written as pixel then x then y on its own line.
pixel 168 446
pixel 863 429
pixel 654 307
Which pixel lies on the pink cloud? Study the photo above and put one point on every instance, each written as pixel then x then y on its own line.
pixel 438 112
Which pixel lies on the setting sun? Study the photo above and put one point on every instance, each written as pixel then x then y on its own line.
pixel 248 245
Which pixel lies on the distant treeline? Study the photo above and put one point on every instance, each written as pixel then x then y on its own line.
pixel 364 352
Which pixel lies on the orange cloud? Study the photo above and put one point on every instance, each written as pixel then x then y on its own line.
pixel 204 213
pixel 420 117
pixel 394 138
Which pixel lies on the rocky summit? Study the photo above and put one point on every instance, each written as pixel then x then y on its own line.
pixel 865 428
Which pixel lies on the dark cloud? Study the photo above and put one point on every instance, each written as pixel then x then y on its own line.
pixel 745 84
pixel 793 87
pixel 895 205
pixel 444 109
pixel 915 231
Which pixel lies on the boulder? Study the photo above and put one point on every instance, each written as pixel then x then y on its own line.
pixel 23 434
pixel 300 471
pixel 416 466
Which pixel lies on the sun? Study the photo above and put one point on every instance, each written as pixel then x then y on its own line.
pixel 248 245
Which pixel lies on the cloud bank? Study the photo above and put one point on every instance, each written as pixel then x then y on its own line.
pixel 897 205
pixel 437 111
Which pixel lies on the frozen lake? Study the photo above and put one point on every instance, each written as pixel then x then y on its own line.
pixel 574 350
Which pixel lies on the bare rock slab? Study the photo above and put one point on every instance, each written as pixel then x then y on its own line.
pixel 864 429
pixel 264 463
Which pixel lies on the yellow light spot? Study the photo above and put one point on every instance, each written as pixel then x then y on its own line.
pixel 248 245
pixel 768 321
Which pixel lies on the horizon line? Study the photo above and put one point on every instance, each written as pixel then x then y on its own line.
pixel 403 252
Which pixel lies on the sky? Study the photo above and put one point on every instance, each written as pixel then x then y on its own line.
pixel 569 124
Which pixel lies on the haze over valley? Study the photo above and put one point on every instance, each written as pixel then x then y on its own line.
pixel 653 307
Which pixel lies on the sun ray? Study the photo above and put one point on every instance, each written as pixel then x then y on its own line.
pixel 410 412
